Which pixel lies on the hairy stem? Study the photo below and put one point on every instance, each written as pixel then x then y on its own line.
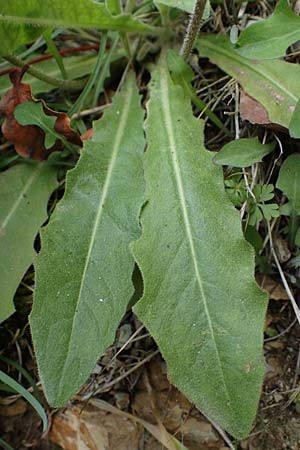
pixel 193 28
pixel 62 84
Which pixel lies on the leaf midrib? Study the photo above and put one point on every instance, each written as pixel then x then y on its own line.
pixel 102 198
pixel 240 60
pixel 180 189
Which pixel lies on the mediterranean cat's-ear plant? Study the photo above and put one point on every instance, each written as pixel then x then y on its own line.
pixel 165 209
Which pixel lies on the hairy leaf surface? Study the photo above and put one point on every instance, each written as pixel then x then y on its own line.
pixel 243 152
pixel 18 16
pixel 201 303
pixel 83 274
pixel 268 39
pixel 24 193
pixel 275 84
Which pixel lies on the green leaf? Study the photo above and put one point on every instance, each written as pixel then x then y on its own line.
pixel 25 191
pixel 297 237
pixel 243 152
pixel 206 319
pixel 23 20
pixel 275 84
pixel 263 192
pixel 257 208
pixel 187 5
pixel 236 189
pixel 31 400
pixel 83 273
pixel 289 182
pixel 32 113
pixel 184 5
pixel 254 238
pixel 183 75
pixel 255 214
pixel 269 211
pixel 5 445
pixel 268 39
pixel 294 128
pixel 76 66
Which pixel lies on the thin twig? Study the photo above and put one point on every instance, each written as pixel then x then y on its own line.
pixel 220 431
pixel 64 51
pixel 128 341
pixel 88 112
pixel 286 330
pixel 124 375
pixel 282 276
pixel 62 84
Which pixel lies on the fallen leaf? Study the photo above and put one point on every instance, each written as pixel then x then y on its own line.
pixel 252 110
pixel 200 435
pixel 17 408
pixel 93 429
pixel 282 249
pixel 29 140
pixel 275 290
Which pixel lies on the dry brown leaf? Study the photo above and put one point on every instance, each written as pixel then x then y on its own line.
pixel 29 139
pixel 275 290
pixel 93 429
pixel 254 112
pixel 16 408
pixel 282 249
pixel 87 135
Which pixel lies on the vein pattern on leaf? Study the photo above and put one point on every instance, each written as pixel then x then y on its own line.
pixel 102 198
pixel 190 233
pixel 83 273
pixel 181 194
pixel 251 65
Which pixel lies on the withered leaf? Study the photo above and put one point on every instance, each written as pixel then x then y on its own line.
pixel 29 140
pixel 253 111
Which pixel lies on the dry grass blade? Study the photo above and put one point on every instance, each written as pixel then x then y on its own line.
pixel 166 439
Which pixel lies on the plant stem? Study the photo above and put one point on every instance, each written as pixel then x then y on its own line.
pixel 92 78
pixel 62 84
pixel 193 28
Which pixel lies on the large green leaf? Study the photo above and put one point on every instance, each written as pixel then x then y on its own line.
pixel 25 190
pixel 275 84
pixel 23 20
pixel 201 303
pixel 267 39
pixel 83 274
